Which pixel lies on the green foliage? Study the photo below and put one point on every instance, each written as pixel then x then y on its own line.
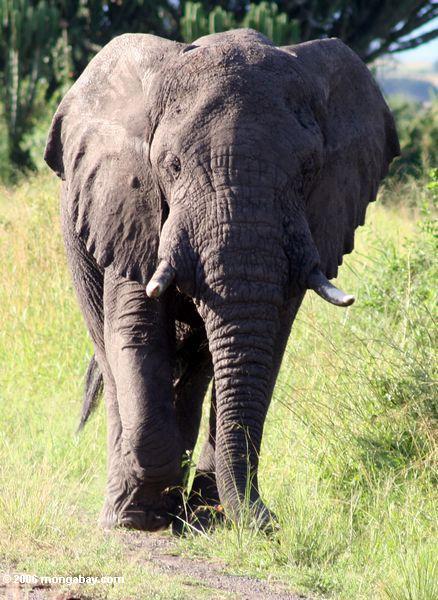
pixel 417 127
pixel 87 25
pixel 370 31
pixel 266 18
pixel 263 17
pixel 195 22
pixel 26 37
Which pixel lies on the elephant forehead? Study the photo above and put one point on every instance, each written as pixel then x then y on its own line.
pixel 255 72
pixel 223 102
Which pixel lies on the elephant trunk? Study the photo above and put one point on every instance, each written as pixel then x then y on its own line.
pixel 241 297
pixel 242 341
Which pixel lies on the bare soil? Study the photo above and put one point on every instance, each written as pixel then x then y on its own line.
pixel 159 551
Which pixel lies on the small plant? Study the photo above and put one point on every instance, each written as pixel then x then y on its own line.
pixel 263 17
pixel 196 23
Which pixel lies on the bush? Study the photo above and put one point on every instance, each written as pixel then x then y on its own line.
pixel 417 127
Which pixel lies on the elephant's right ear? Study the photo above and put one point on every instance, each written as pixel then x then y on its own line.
pixel 99 144
pixel 358 140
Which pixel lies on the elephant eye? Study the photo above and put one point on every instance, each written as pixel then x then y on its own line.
pixel 172 165
pixel 175 165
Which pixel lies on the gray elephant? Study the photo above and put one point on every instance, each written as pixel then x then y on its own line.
pixel 224 178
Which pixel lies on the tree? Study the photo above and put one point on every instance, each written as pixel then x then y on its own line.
pixel 370 27
pixel 90 24
pixel 48 43
pixel 28 32
pixel 52 41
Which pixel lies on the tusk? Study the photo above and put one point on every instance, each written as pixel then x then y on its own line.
pixel 319 283
pixel 161 279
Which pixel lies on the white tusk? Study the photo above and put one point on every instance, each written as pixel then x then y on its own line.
pixel 161 279
pixel 319 283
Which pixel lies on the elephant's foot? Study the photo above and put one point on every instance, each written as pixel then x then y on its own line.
pixel 204 490
pixel 202 510
pixel 144 519
pixel 108 516
pixel 259 517
pixel 135 516
pixel 197 519
pixel 254 516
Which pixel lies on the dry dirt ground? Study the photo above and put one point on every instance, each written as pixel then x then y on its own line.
pixel 159 552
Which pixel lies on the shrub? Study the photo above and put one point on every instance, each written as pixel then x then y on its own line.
pixel 417 127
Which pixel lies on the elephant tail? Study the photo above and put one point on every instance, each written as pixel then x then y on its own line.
pixel 92 391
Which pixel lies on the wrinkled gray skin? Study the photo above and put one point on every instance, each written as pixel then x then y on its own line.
pixel 244 166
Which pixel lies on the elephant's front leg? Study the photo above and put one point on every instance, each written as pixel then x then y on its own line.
pixel 202 508
pixel 139 348
pixel 195 372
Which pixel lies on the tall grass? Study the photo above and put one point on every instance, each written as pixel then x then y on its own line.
pixel 349 452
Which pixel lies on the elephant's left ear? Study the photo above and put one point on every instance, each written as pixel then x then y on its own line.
pixel 99 145
pixel 360 141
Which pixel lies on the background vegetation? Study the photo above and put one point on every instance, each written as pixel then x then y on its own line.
pixel 46 44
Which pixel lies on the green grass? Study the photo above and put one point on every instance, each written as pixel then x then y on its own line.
pixel 349 454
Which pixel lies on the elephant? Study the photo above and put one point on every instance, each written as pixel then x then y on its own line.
pixel 205 188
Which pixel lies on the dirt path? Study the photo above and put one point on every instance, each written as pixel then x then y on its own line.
pixel 159 552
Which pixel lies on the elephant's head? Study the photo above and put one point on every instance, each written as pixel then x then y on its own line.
pixel 237 169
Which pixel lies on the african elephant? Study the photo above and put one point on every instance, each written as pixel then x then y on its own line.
pixel 205 188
